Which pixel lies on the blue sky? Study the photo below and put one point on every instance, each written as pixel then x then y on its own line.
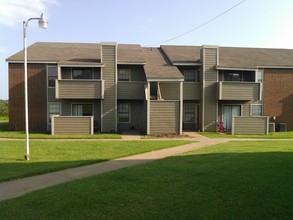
pixel 253 23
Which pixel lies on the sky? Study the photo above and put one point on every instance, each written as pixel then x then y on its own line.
pixel 252 23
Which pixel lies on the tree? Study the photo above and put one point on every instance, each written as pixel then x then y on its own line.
pixel 3 107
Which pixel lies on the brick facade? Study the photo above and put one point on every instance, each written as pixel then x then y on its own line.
pixel 37 85
pixel 278 95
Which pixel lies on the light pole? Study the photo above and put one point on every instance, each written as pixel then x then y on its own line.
pixel 42 24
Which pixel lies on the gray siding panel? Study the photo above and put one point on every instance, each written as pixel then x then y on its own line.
pixel 250 125
pixel 137 117
pixel 131 90
pixel 191 91
pixel 72 125
pixel 239 91
pixel 109 104
pixel 170 91
pixel 79 89
pixel 164 117
pixel 209 88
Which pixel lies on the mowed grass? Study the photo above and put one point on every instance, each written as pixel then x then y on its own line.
pixel 272 135
pixel 5 133
pixel 235 180
pixel 52 155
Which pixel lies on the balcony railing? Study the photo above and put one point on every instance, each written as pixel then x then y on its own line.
pixel 239 91
pixel 134 90
pixel 191 91
pixel 79 89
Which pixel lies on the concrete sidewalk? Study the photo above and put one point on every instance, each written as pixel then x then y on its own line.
pixel 16 188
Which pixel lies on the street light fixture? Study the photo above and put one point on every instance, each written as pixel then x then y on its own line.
pixel 42 24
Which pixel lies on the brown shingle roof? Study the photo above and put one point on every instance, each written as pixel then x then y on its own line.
pixel 130 53
pixel 236 57
pixel 63 53
pixel 158 66
pixel 183 54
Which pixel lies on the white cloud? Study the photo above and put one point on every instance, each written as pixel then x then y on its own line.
pixel 13 12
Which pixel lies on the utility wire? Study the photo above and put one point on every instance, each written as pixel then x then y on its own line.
pixel 199 26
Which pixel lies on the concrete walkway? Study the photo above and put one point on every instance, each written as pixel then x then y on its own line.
pixel 16 188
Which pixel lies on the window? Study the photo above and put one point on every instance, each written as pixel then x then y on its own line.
pixel 232 76
pixel 54 108
pixel 124 113
pixel 82 109
pixel 191 75
pixel 124 74
pixel 189 112
pixel 256 109
pixel 52 75
pixel 82 73
pixel 238 76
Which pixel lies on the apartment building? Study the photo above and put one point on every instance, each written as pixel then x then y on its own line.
pixel 110 87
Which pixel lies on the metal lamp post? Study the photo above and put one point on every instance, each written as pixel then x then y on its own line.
pixel 42 24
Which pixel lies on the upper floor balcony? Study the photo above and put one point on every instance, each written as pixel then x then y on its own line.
pixel 134 90
pixel 79 89
pixel 239 90
pixel 192 90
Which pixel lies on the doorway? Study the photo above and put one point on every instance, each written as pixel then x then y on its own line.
pixel 229 111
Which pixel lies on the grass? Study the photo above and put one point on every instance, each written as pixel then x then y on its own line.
pixel 272 135
pixel 4 119
pixel 5 133
pixel 52 155
pixel 235 180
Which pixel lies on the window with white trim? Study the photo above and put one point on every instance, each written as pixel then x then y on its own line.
pixel 124 74
pixel 82 109
pixel 191 75
pixel 54 108
pixel 52 75
pixel 256 110
pixel 124 113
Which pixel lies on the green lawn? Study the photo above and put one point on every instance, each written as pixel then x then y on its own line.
pixel 5 133
pixel 235 180
pixel 51 155
pixel 272 135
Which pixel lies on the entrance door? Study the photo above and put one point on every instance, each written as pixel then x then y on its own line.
pixel 229 111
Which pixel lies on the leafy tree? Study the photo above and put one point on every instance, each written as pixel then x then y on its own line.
pixel 4 107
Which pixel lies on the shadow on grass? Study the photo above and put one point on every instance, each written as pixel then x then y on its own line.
pixel 4 126
pixel 20 170
pixel 192 186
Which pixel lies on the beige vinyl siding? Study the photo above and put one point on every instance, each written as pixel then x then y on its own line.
pixel 131 90
pixel 109 104
pixel 170 91
pixel 239 91
pixel 79 89
pixel 191 91
pixel 250 125
pixel 164 117
pixel 72 125
pixel 209 88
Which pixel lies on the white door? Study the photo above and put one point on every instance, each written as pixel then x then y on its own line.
pixel 229 111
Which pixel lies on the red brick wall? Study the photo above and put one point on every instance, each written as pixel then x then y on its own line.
pixel 37 92
pixel 278 95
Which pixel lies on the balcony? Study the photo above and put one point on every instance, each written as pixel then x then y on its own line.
pixel 134 90
pixel 191 91
pixel 79 89
pixel 239 91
